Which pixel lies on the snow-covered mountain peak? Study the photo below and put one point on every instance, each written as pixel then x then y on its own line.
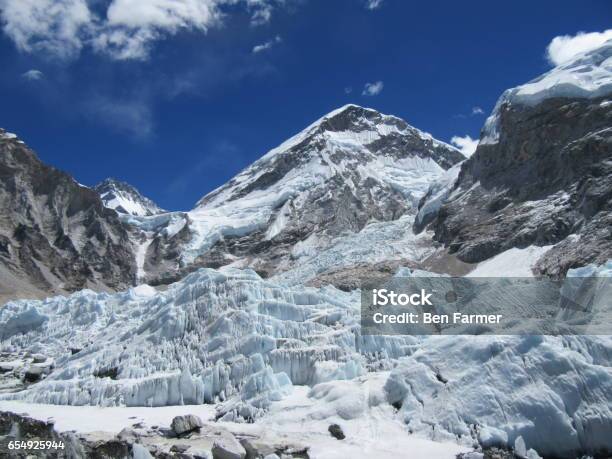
pixel 350 167
pixel 343 140
pixel 125 199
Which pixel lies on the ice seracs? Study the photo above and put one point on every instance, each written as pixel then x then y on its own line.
pixel 231 338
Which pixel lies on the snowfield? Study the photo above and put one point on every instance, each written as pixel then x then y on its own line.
pixel 251 346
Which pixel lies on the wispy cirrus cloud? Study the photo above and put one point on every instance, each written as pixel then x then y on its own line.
pixel 132 116
pixel 564 47
pixel 477 111
pixel 373 89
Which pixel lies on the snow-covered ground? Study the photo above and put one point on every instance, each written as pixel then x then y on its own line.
pixel 511 263
pixel 87 419
pixel 371 426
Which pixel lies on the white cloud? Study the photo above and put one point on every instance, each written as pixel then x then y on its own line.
pixel 128 29
pixel 50 26
pixel 477 111
pixel 564 47
pixel 466 144
pixel 169 15
pixel 373 89
pixel 267 45
pixel 132 26
pixel 373 4
pixel 33 75
pixel 262 11
pixel 348 90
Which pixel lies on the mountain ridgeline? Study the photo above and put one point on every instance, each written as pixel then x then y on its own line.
pixel 356 190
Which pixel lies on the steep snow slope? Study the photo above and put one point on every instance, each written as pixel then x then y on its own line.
pixel 231 338
pixel 350 168
pixel 125 199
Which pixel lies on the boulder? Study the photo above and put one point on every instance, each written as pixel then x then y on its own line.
pixel 33 374
pixel 336 431
pixel 256 448
pixel 38 358
pixel 179 448
pixel 182 425
pixel 226 446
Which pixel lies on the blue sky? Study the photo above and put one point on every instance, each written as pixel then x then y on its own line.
pixel 178 104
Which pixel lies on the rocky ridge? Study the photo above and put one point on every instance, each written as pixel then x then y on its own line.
pixel 55 234
pixel 541 175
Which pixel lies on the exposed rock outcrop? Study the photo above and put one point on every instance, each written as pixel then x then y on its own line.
pixel 547 180
pixel 55 235
pixel 541 175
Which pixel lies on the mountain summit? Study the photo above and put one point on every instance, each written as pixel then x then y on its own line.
pixel 125 199
pixel 349 168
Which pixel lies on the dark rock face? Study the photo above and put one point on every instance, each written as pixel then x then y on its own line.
pixel 55 235
pixel 548 179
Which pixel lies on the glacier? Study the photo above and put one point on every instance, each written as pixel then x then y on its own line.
pixel 230 338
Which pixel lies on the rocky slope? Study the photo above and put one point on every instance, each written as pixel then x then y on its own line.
pixel 125 199
pixel 55 235
pixel 542 173
pixel 353 167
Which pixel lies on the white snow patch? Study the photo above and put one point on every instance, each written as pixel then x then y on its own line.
pixel 511 263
